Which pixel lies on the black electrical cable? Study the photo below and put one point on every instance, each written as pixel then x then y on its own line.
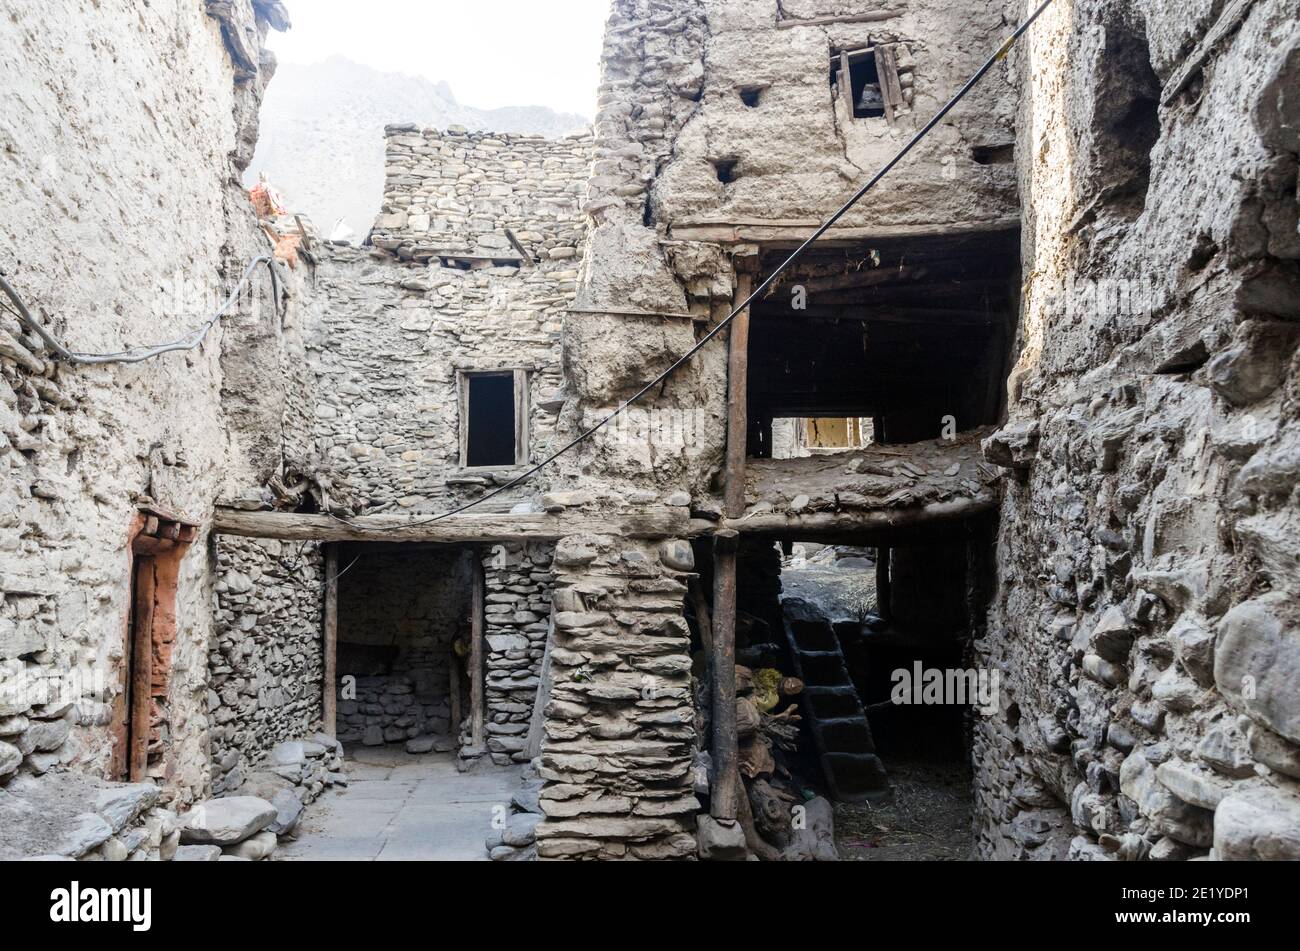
pixel 754 295
pixel 140 354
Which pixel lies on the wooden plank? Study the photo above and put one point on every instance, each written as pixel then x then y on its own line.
pixel 478 594
pixel 726 786
pixel 141 670
pixel 844 86
pixel 794 232
pixel 890 87
pixel 738 399
pixel 462 416
pixel 663 522
pixel 521 417
pixel 330 644
pixel 453 690
pixel 537 723
pixel 877 16
pixel 884 590
pixel 1229 20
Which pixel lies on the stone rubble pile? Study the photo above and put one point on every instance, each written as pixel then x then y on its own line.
pixel 388 710
pixel 514 836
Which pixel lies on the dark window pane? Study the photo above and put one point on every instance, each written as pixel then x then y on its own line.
pixel 491 439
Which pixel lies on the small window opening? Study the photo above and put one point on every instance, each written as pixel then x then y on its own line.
pixel 1001 154
pixel 490 426
pixel 866 94
pixel 752 95
pixel 726 169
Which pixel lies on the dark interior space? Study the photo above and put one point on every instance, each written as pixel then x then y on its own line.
pixel 907 332
pixel 401 610
pixel 490 439
pixel 863 78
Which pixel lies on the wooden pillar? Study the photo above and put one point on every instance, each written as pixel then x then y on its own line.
pixel 142 670
pixel 726 543
pixel 723 801
pixel 738 396
pixel 478 594
pixel 884 588
pixel 330 644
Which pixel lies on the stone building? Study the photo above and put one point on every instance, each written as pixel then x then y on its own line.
pixel 1043 379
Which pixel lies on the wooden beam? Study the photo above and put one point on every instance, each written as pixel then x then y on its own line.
pixel 726 786
pixel 478 594
pixel 778 232
pixel 496 529
pixel 489 529
pixel 330 644
pixel 737 400
pixel 875 17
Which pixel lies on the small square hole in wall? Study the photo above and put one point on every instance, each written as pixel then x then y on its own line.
pixel 752 96
pixel 864 86
pixel 726 169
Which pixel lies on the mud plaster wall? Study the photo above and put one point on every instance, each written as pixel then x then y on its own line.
pixel 670 108
pixel 266 665
pixel 123 132
pixel 1145 621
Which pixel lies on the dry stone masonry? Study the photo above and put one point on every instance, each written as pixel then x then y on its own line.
pixel 517 619
pixel 265 672
pixel 1097 252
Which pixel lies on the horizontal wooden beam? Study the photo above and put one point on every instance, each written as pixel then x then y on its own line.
pixel 462 529
pixel 878 16
pixel 882 522
pixel 794 231
pixel 655 523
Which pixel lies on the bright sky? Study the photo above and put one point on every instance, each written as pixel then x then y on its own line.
pixel 492 52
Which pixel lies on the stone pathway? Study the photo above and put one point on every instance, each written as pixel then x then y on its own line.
pixel 399 807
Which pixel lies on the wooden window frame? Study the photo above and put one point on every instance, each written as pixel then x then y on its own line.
pixel 891 87
pixel 522 407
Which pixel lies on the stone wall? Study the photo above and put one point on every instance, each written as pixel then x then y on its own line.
pixel 393 328
pixel 123 128
pixel 266 664
pixel 482 194
pixel 688 88
pixel 399 612
pixel 388 340
pixel 517 581
pixel 620 726
pixel 1145 622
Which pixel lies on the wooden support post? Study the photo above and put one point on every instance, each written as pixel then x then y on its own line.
pixel 330 644
pixel 142 670
pixel 738 396
pixel 884 589
pixel 726 785
pixel 453 689
pixel 478 594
